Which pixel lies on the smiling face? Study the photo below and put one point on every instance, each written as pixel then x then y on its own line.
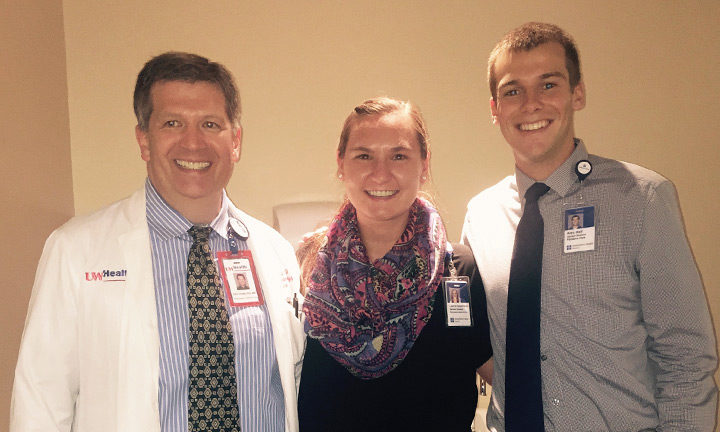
pixel 575 221
pixel 383 169
pixel 535 107
pixel 190 147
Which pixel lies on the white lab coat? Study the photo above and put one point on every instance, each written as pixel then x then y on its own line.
pixel 89 356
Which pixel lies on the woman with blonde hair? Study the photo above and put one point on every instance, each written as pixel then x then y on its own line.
pixel 384 350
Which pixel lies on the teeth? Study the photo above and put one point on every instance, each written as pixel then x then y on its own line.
pixel 192 165
pixel 534 126
pixel 381 193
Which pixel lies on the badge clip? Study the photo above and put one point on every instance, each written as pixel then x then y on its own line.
pixel 236 231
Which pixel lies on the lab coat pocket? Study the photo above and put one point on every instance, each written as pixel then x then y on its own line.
pixel 296 333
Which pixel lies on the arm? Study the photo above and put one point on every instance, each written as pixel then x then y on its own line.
pixel 677 319
pixel 486 371
pixel 465 264
pixel 46 377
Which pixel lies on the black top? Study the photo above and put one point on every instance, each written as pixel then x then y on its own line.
pixel 433 389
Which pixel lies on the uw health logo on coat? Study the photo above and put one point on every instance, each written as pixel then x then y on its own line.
pixel 107 276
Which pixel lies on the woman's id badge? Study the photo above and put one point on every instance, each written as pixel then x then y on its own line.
pixel 457 301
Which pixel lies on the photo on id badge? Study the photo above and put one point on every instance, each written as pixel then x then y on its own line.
pixel 579 229
pixel 241 281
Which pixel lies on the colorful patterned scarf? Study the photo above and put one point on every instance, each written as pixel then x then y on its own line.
pixel 368 316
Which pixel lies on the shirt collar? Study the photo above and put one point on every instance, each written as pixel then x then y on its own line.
pixel 562 179
pixel 168 222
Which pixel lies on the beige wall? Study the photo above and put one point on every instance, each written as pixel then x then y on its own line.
pixel 35 182
pixel 650 75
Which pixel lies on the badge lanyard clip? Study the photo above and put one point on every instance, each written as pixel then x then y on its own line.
pixel 453 270
pixel 236 231
pixel 582 169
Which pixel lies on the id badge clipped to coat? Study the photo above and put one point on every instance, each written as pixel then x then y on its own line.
pixel 237 269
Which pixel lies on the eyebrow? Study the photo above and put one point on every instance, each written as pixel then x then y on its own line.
pixel 182 113
pixel 542 77
pixel 367 149
pixel 553 75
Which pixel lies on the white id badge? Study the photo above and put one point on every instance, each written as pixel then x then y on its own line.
pixel 579 229
pixel 457 301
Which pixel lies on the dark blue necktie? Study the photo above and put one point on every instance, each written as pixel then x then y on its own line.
pixel 523 382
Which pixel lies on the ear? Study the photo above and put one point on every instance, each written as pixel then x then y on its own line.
pixel 340 166
pixel 144 143
pixel 237 144
pixel 426 169
pixel 578 96
pixel 493 110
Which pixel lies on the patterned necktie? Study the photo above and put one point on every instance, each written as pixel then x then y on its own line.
pixel 213 403
pixel 523 382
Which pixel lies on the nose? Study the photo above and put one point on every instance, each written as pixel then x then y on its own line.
pixel 532 101
pixel 193 137
pixel 380 170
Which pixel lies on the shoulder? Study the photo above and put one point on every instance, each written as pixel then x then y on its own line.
pixel 491 208
pixel 262 232
pixel 109 221
pixel 504 190
pixel 627 175
pixel 94 236
pixel 464 262
pixel 256 226
pixel 462 255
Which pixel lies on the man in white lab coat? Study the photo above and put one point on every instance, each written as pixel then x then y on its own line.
pixel 105 346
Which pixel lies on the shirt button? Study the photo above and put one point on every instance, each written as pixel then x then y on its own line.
pixel 543 357
pixel 556 402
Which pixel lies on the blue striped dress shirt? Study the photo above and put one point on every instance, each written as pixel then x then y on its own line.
pixel 260 393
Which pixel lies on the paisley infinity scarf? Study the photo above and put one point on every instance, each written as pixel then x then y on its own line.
pixel 368 315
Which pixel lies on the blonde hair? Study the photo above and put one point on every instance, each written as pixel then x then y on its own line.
pixel 385 105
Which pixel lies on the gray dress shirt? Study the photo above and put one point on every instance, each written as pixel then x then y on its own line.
pixel 626 338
